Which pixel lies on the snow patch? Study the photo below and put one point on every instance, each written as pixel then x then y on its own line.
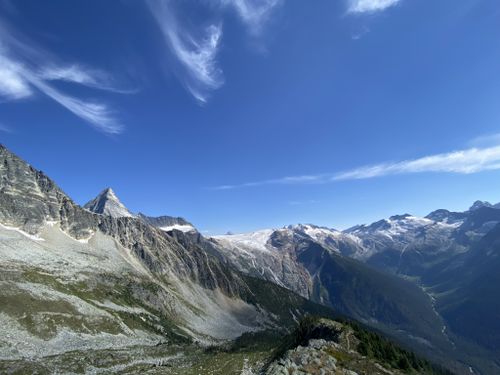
pixel 180 227
pixel 30 236
pixel 251 241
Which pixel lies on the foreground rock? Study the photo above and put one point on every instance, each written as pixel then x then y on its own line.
pixel 323 347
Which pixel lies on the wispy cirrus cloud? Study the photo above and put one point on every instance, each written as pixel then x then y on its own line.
pixel 94 112
pixel 85 76
pixel 467 161
pixel 197 54
pixel 290 180
pixel 21 76
pixel 12 84
pixel 197 50
pixel 370 6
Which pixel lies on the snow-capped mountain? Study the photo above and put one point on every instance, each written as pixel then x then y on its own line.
pixel 479 204
pixel 107 203
pixel 411 246
pixel 388 240
pixel 387 244
pixel 261 254
pixel 452 256
pixel 446 216
pixel 309 260
pixel 272 253
pixel 332 239
pixel 401 244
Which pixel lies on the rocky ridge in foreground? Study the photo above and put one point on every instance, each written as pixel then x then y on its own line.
pixel 327 347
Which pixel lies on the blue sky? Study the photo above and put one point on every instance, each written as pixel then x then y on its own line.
pixel 245 114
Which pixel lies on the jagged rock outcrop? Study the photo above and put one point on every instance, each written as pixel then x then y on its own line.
pixel 324 347
pixel 29 199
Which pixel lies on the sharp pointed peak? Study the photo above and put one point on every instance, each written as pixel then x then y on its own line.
pixel 107 203
pixel 108 191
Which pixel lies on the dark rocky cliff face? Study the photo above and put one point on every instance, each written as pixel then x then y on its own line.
pixel 29 199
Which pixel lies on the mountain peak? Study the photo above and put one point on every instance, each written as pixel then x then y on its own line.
pixel 110 194
pixel 300 227
pixel 400 217
pixel 479 204
pixel 107 203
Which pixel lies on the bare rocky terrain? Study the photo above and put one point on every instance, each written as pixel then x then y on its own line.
pixel 102 290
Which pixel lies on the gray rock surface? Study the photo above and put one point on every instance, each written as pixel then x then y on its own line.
pixel 107 203
pixel 164 221
pixel 95 257
pixel 336 354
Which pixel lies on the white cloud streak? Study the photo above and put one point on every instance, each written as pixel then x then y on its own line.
pixel 84 76
pixel 468 161
pixel 97 114
pixel 72 73
pixel 12 84
pixel 20 79
pixel 370 6
pixel 197 55
pixel 197 50
pixel 291 180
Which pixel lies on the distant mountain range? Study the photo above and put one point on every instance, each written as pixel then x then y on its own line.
pixel 452 257
pixel 99 279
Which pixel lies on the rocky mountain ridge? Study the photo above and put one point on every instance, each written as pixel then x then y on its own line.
pixel 322 346
pixel 73 280
pixel 137 280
